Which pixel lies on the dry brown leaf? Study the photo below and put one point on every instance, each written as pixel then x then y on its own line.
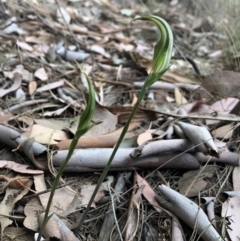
pixel 44 37
pixel 39 183
pixel 223 132
pixel 106 140
pixel 87 191
pixel 17 80
pixel 17 167
pixel 196 107
pixel 133 215
pixel 107 122
pixel 24 46
pixel 56 229
pixel 146 136
pixel 180 99
pixel 124 112
pixel 32 86
pixel 134 100
pixel 4 117
pixel 53 123
pixel 200 136
pixel 222 107
pixel 46 135
pixel 193 182
pixel 34 207
pixel 173 78
pixel 100 50
pixel 13 182
pixel 63 201
pixel 6 206
pixel 26 75
pixel 18 183
pixel 141 59
pixel 27 124
pixel 31 211
pixel 51 86
pixel 148 193
pixel 41 74
pixel 18 233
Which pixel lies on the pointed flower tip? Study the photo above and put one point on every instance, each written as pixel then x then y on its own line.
pixel 163 49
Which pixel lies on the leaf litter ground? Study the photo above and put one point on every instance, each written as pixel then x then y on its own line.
pixel 42 96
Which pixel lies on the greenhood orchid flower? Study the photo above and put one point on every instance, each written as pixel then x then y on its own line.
pixel 162 50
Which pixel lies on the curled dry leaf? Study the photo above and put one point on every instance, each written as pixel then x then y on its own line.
pixel 17 167
pixel 133 215
pixel 201 137
pixel 17 80
pixel 57 229
pixel 148 192
pixel 41 74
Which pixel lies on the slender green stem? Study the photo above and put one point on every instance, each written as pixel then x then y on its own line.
pixel 106 169
pixel 55 184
